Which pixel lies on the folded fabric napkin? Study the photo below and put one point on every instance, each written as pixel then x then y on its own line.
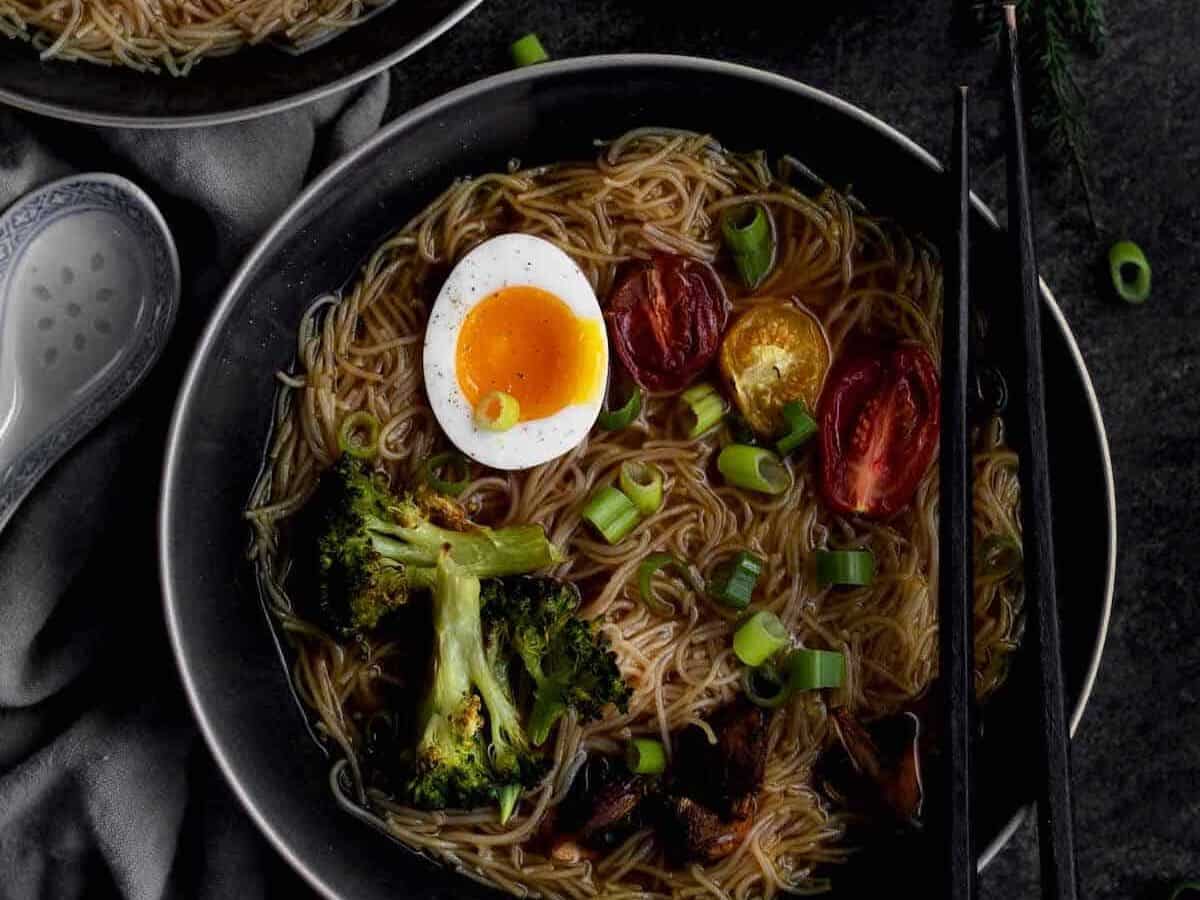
pixel 105 787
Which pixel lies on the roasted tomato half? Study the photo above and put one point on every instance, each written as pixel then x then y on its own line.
pixel 879 417
pixel 666 317
pixel 774 353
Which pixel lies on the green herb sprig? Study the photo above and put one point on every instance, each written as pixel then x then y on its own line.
pixel 1053 34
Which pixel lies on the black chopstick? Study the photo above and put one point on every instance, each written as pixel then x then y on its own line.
pixel 1055 827
pixel 955 569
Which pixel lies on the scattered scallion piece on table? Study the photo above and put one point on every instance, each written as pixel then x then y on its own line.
pixel 750 237
pixel 359 435
pixel 732 582
pixel 507 801
pixel 754 469
pixel 643 484
pixel 616 419
pixel 706 408
pixel 1130 271
pixel 801 426
pixel 446 463
pixel 999 556
pixel 814 670
pixel 497 411
pixel 850 568
pixel 646 756
pixel 528 51
pixel 611 513
pixel 765 687
pixel 759 638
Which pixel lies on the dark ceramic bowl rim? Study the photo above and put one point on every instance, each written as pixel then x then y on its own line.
pixel 686 63
pixel 114 120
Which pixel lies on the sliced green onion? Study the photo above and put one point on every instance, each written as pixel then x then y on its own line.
pixel 999 555
pixel 497 411
pixel 845 567
pixel 528 51
pixel 508 798
pixel 646 756
pixel 754 680
pixel 359 435
pixel 750 237
pixel 759 638
pixel 754 469
pixel 643 484
pixel 611 513
pixel 616 419
pixel 732 582
pixel 706 408
pixel 814 670
pixel 1132 287
pixel 651 566
pixel 445 462
pixel 1184 888
pixel 800 427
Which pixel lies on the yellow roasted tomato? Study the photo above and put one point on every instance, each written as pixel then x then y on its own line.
pixel 774 353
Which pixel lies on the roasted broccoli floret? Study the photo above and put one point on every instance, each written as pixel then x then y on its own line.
pixel 566 657
pixel 375 548
pixel 456 765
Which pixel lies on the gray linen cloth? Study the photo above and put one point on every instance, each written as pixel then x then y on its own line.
pixel 106 789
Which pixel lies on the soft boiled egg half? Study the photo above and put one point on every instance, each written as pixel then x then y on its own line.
pixel 518 316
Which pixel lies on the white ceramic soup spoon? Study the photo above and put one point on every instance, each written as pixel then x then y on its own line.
pixel 89 285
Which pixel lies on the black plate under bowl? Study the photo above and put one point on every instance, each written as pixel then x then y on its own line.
pixel 252 82
pixel 221 636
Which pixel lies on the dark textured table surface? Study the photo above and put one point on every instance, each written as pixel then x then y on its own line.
pixel 1137 757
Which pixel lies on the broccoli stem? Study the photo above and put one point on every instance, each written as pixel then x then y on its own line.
pixel 461 658
pixel 481 552
pixel 548 707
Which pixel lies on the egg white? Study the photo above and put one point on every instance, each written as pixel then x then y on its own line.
pixel 509 260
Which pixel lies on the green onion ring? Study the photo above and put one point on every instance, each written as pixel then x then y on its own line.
pixel 852 568
pixel 616 419
pixel 750 678
pixel 646 756
pixel 359 435
pixel 643 484
pixel 754 469
pixel 815 670
pixel 759 638
pixel 649 567
pixel 450 459
pixel 1127 253
pixel 611 513
pixel 751 240
pixel 528 51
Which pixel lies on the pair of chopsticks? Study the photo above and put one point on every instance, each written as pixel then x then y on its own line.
pixel 956 564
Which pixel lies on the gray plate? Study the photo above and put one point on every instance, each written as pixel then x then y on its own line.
pixel 253 82
pixel 222 639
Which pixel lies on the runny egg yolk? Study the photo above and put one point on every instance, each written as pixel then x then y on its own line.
pixel 527 342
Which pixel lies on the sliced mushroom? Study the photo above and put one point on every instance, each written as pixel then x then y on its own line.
pixel 723 775
pixel 894 769
pixel 691 831
pixel 602 808
pixel 614 811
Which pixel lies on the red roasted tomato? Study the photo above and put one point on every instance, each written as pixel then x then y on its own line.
pixel 666 317
pixel 879 414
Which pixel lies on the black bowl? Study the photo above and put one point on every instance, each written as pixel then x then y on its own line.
pixel 222 638
pixel 253 82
